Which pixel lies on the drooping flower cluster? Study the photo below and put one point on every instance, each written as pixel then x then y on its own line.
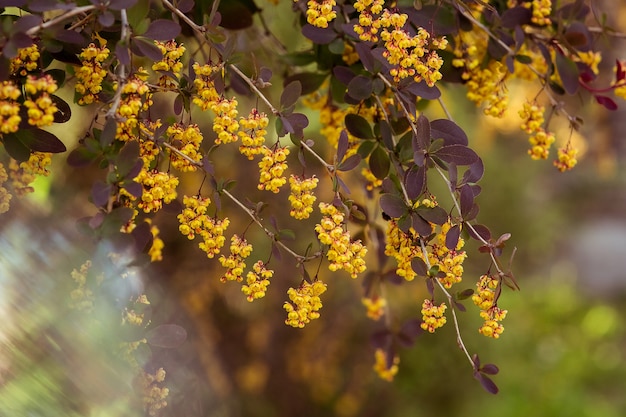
pixel 24 173
pixel 375 306
pixel 187 140
pixel 410 56
pixel 240 249
pixel 369 21
pixel 195 221
pixel 540 139
pixel 136 97
pixel 342 253
pixel 225 123
pixel 172 53
pixel 257 281
pixel 158 188
pixel 320 12
pixel 154 395
pixel 205 86
pixel 91 73
pixel 252 133
pixel 304 304
pixel 485 84
pixel 26 61
pixel 301 197
pixel 383 367
pixel 566 158
pixel 39 104
pixel 485 299
pixel 432 315
pixel 450 262
pixel 272 167
pixel 5 196
pixel 404 247
pixel 9 107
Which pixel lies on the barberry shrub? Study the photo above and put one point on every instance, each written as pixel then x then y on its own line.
pixel 353 139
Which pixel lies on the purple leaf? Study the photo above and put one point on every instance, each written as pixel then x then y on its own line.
pixel 360 87
pixel 419 267
pixel 490 369
pixel 452 237
pixel 290 94
pixel 343 74
pixel 606 102
pixel 457 154
pixel 466 200
pixel 379 163
pixel 422 139
pixel 320 36
pixel 449 131
pixel 342 145
pixel 393 205
pixel 415 181
pixel 569 73
pixel 162 30
pixel 358 126
pixel 350 163
pixel 147 48
pixel 100 193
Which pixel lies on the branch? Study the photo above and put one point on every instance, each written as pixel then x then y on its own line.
pixel 71 13
pixel 121 69
pixel 249 212
pixel 459 339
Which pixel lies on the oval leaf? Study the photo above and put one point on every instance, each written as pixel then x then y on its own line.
pixel 358 126
pixel 415 181
pixel 452 237
pixel 162 30
pixel 350 163
pixel 449 131
pixel 379 163
pixel 393 205
pixel 457 154
pixel 360 87
pixel 290 94
pixel 568 71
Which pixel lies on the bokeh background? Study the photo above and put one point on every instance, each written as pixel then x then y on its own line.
pixel 563 352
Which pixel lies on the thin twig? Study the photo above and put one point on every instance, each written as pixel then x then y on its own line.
pixel 182 15
pixel 255 89
pixel 71 13
pixel 459 338
pixel 121 69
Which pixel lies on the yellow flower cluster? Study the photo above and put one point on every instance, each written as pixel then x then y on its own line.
pixel 5 196
pixel 409 54
pixel 532 123
pixel 349 55
pixel 305 303
pixel 540 144
pixel 485 84
pixel 225 123
pixel 82 297
pixel 91 74
pixel 432 316
pixel 148 148
pixel 40 106
pixel 153 394
pixel 566 158
pixel 375 306
pixel 9 107
pixel 187 140
pixel 195 221
pixel 157 243
pixel 24 173
pixel 591 58
pixel 240 249
pixel 136 97
pixel 541 11
pixel 257 281
pixel 27 60
pixel 449 262
pixel 253 133
pixel 484 298
pixel 369 21
pixel 404 247
pixel 382 367
pixel 172 53
pixel 272 167
pixel 371 180
pixel 320 12
pixel 301 197
pixel 342 252
pixel 205 86
pixel 158 188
